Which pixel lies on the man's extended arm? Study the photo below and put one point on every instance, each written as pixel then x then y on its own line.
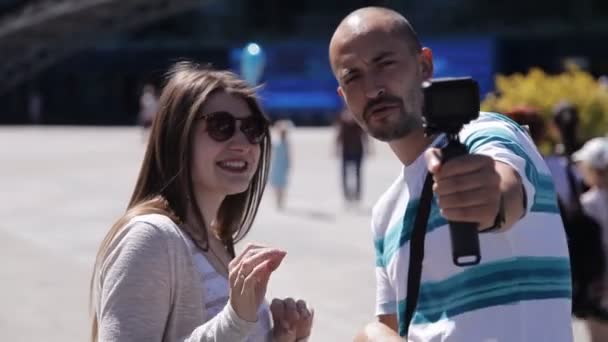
pixel 382 330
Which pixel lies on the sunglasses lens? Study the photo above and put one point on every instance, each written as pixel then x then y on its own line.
pixel 254 129
pixel 220 126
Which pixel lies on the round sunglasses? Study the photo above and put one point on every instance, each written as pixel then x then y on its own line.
pixel 221 126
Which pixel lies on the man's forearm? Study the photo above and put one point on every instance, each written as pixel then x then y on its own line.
pixel 377 332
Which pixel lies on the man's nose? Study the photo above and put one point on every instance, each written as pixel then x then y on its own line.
pixel 373 88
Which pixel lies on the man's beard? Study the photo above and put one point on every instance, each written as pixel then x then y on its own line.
pixel 406 123
pixel 407 120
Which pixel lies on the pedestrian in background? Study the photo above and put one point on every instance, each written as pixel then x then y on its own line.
pixel 281 161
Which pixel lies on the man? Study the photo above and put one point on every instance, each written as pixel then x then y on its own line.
pixel 521 289
pixel 587 257
pixel 351 144
pixel 567 179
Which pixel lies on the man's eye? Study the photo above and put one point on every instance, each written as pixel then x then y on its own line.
pixel 349 79
pixel 387 63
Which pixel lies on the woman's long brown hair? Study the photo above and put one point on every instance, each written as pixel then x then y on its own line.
pixel 165 174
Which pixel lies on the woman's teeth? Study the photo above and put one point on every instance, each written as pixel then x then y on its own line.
pixel 233 165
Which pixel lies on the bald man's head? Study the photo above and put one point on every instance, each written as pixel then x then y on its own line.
pixel 369 19
pixel 380 67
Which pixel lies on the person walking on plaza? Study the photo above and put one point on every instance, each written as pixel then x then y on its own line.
pixel 281 162
pixel 351 146
pixel 148 107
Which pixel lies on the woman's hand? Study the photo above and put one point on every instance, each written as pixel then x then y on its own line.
pixel 292 319
pixel 248 274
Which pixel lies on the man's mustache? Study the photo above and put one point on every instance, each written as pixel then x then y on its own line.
pixel 386 100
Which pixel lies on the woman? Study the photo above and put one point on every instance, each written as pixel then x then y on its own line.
pixel 281 162
pixel 167 270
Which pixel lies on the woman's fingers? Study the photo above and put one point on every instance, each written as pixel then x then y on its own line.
pixel 237 280
pixel 291 311
pixel 257 278
pixel 277 308
pixel 247 251
pixel 249 274
pixel 261 255
pixel 303 309
pixel 235 267
pixel 307 315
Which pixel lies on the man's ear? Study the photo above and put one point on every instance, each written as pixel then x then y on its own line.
pixel 339 90
pixel 427 63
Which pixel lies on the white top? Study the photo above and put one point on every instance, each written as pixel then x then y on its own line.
pixel 520 291
pixel 148 289
pixel 216 295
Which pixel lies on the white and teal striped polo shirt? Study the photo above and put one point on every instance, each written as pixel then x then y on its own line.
pixel 520 291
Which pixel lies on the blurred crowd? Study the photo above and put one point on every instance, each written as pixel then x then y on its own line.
pixel 580 173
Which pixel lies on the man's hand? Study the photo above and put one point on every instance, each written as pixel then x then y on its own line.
pixel 467 187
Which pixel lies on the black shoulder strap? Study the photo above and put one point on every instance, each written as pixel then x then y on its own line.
pixel 417 250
